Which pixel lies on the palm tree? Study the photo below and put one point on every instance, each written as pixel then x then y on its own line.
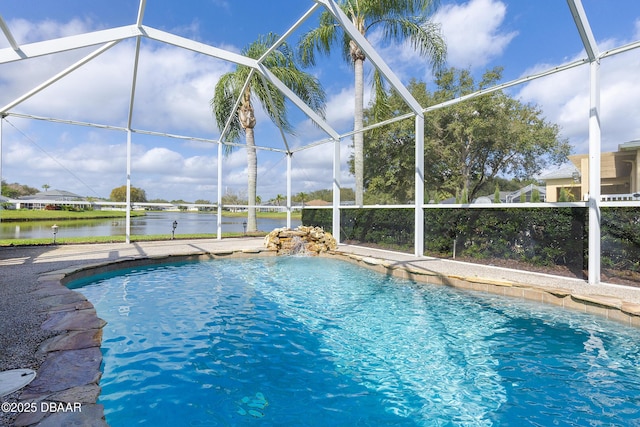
pixel 247 85
pixel 398 21
pixel 302 197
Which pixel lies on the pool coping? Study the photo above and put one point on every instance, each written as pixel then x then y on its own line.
pixel 76 348
pixel 608 307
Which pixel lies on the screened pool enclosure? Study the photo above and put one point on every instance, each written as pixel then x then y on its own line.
pixel 147 28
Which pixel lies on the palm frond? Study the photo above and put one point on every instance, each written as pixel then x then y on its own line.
pixel 281 61
pixel 423 35
pixel 319 39
pixel 225 96
pixel 381 101
pixel 377 9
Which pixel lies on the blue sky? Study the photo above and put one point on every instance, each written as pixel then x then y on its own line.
pixel 175 86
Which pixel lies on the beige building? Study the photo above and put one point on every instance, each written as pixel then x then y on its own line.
pixel 620 175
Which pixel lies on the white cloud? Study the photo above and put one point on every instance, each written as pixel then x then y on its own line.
pixel 25 31
pixel 340 108
pixel 159 160
pixel 313 168
pixel 565 100
pixel 173 91
pixel 472 32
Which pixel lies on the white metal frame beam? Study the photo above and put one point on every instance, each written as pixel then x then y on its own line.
pixel 198 47
pixel 593 54
pixel 9 36
pixel 64 44
pixel 134 81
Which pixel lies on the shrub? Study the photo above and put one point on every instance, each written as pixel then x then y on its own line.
pixel 540 236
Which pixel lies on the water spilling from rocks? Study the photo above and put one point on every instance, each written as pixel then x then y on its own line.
pixel 298 247
pixel 303 240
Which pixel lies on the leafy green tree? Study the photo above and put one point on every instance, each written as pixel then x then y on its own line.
pixel 467 145
pixel 231 198
pixel 346 194
pixel 566 196
pixel 535 196
pixel 389 153
pixel 324 194
pixel 245 84
pixel 397 21
pixel 301 197
pixel 119 194
pixel 15 190
pixel 491 134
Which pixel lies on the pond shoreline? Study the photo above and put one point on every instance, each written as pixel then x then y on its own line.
pixel 43 216
pixel 59 215
pixel 149 225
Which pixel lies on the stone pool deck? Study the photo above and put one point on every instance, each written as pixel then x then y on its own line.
pixel 55 331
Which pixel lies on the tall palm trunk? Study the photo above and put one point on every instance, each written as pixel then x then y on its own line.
pixel 252 179
pixel 248 122
pixel 358 137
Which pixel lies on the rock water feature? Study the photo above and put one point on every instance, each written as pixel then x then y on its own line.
pixel 300 241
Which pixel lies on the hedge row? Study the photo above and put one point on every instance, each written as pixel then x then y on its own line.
pixel 541 236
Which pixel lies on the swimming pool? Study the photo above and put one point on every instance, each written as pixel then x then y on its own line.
pixel 316 341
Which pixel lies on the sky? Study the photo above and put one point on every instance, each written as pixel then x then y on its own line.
pixel 174 88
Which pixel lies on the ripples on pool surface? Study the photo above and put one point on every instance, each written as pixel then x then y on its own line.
pixel 314 341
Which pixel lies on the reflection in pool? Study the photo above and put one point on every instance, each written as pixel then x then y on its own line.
pixel 315 341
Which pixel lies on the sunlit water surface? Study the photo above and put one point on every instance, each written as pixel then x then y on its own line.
pixel 313 341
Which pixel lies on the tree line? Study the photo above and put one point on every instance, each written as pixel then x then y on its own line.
pixel 467 146
pixel 16 190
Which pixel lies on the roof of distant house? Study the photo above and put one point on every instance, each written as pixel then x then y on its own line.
pixel 564 171
pixel 629 145
pixel 53 195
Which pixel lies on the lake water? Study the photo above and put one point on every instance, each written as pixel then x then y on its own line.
pixel 150 224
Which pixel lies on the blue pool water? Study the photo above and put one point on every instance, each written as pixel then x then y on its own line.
pixel 318 342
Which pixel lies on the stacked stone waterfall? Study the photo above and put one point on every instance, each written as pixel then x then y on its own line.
pixel 307 240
